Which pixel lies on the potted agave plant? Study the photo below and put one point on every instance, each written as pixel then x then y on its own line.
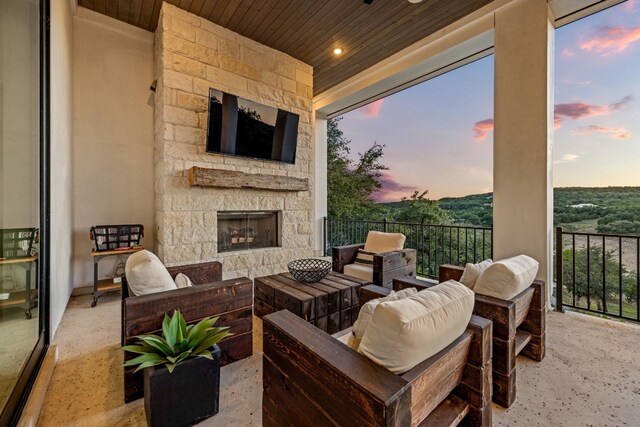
pixel 181 370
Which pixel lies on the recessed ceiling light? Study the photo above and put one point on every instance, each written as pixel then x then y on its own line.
pixel 415 1
pixel 337 51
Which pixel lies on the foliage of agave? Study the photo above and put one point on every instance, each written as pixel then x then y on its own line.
pixel 177 343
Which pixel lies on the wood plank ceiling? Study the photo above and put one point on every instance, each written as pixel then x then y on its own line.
pixel 309 30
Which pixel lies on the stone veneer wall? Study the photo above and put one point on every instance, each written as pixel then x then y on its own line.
pixel 192 55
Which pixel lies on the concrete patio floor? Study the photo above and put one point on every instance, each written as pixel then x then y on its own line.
pixel 590 376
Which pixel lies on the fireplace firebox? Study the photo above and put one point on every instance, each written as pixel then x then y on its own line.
pixel 245 230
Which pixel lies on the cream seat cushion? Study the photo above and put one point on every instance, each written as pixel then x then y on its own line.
pixel 472 272
pixel 343 336
pixel 147 275
pixel 378 242
pixel 507 278
pixel 364 272
pixel 364 316
pixel 403 333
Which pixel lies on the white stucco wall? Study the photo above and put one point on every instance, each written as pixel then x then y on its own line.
pixel 523 134
pixel 113 133
pixel 61 165
pixel 19 104
pixel 320 192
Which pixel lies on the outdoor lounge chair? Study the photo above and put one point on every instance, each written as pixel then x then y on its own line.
pixel 386 259
pixel 232 300
pixel 518 327
pixel 311 378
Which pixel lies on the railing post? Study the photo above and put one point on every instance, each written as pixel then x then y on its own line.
pixel 559 287
pixel 385 225
pixel 324 236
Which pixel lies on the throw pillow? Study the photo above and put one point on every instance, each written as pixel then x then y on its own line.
pixel 378 242
pixel 507 278
pixel 473 271
pixel 364 317
pixel 364 257
pixel 403 333
pixel 146 274
pixel 183 281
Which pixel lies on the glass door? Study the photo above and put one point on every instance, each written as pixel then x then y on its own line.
pixel 21 325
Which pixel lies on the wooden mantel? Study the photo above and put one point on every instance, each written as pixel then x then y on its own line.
pixel 205 177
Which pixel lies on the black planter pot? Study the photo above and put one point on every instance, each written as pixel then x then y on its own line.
pixel 184 397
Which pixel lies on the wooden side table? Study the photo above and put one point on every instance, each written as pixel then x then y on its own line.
pixel 331 304
pixel 101 287
pixel 27 296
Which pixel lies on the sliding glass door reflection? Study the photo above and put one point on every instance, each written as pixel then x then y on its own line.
pixel 19 188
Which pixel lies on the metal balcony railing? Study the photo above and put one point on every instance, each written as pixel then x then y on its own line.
pixel 436 244
pixel 598 273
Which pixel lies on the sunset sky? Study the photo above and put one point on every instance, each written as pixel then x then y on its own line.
pixel 438 135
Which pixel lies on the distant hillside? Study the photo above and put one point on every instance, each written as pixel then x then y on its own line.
pixel 475 209
pixel 602 209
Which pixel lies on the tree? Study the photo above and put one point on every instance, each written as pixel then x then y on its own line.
pixel 417 208
pixel 351 185
pixel 594 274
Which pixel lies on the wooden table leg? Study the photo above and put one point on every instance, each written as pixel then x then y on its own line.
pixel 95 282
pixel 27 298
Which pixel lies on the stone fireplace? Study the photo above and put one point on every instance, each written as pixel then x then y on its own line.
pixel 198 223
pixel 246 230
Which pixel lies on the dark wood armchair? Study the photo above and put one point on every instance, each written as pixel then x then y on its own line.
pixel 519 326
pixel 386 266
pixel 232 300
pixel 312 379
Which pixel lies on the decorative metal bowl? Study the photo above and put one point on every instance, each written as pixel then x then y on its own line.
pixel 309 270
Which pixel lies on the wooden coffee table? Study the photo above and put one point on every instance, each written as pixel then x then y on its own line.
pixel 331 304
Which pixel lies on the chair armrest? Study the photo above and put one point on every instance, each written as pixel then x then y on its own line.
pixel 501 312
pixel 386 261
pixel 343 255
pixel 370 292
pixel 199 273
pixel 389 265
pixel 318 375
pixel 401 283
pixel 450 272
pixel 143 314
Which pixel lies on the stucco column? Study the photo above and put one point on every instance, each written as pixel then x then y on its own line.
pixel 523 134
pixel 319 181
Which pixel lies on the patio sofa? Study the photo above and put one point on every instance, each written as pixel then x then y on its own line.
pixel 379 260
pixel 311 378
pixel 232 300
pixel 519 326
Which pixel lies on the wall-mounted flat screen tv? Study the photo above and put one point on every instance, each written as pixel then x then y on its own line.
pixel 245 128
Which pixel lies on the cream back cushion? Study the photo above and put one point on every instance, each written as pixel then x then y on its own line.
pixel 472 272
pixel 403 333
pixel 147 275
pixel 366 311
pixel 507 278
pixel 378 242
pixel 183 281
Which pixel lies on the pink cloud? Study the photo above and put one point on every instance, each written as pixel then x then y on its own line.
pixel 568 52
pixel 372 110
pixel 482 128
pixel 581 110
pixel 392 190
pixel 611 40
pixel 562 112
pixel 618 133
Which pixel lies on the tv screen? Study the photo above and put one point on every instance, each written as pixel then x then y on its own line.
pixel 241 127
